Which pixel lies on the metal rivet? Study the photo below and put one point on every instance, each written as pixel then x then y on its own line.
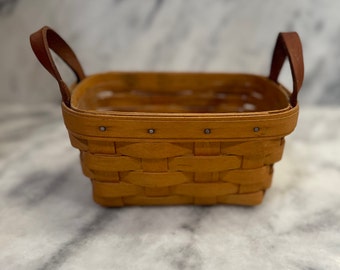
pixel 102 128
pixel 207 131
pixel 256 129
pixel 151 131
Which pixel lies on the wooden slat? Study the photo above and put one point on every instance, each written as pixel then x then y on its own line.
pixel 237 199
pixel 146 179
pixel 173 82
pixel 205 190
pixel 242 199
pixel 252 152
pixel 155 165
pixel 206 177
pixel 205 164
pixel 252 161
pixel 180 126
pixel 77 142
pixel 110 163
pixel 105 176
pixel 205 200
pixel 152 150
pixel 245 177
pixel 108 202
pixel 265 184
pixel 202 102
pixel 101 147
pixel 207 149
pixel 113 190
pixel 274 151
pixel 243 148
pixel 168 200
pixel 86 171
pixel 157 192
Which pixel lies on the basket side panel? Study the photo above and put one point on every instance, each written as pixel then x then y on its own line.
pixel 206 169
pixel 203 173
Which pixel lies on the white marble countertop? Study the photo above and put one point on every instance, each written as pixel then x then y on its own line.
pixel 47 217
pixel 49 221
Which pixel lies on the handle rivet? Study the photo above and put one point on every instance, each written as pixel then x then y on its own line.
pixel 256 129
pixel 102 128
pixel 207 131
pixel 151 130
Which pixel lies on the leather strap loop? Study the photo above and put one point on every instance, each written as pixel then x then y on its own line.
pixel 45 39
pixel 288 45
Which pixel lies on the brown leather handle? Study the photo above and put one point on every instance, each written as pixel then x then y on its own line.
pixel 45 39
pixel 288 45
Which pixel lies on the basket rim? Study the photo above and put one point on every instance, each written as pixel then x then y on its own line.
pixel 277 86
pixel 223 127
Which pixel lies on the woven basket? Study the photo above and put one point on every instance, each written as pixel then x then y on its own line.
pixel 177 138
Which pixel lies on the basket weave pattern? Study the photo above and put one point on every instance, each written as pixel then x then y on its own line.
pixel 128 165
pixel 153 138
pixel 130 173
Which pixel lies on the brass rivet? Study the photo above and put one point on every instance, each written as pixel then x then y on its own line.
pixel 102 128
pixel 207 131
pixel 151 131
pixel 256 129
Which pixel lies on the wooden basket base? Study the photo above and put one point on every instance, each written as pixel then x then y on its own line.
pixel 246 199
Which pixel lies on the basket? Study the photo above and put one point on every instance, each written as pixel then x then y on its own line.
pixel 160 138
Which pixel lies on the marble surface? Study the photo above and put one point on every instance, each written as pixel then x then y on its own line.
pixel 47 217
pixel 49 221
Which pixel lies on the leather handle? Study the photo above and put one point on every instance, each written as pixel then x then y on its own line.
pixel 45 39
pixel 288 45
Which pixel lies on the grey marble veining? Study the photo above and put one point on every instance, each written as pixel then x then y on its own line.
pixel 49 221
pixel 193 35
pixel 47 217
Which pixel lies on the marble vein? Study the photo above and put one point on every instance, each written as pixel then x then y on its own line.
pixel 47 217
pixel 223 36
pixel 49 221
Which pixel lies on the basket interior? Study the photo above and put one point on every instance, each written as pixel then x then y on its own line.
pixel 178 93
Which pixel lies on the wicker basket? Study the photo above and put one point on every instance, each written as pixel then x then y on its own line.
pixel 177 138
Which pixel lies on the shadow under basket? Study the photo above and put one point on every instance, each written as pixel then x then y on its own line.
pixel 156 138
